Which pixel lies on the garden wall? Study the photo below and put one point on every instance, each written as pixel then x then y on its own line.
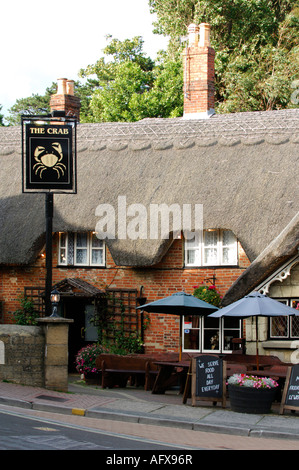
pixel 22 354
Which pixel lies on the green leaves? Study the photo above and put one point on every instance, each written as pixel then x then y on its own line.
pixel 26 314
pixel 131 87
pixel 256 45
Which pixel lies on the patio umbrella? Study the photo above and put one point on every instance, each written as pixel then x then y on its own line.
pixel 255 305
pixel 180 304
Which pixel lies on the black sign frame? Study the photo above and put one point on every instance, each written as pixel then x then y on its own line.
pixel 49 150
pixel 290 396
pixel 205 368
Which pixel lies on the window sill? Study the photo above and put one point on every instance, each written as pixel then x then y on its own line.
pixel 281 344
pixel 207 266
pixel 78 266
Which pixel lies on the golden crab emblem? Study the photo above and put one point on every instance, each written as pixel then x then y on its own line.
pixel 49 159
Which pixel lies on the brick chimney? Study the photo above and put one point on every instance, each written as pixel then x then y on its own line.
pixel 64 99
pixel 199 73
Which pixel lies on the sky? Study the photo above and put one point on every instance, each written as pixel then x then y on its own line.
pixel 43 41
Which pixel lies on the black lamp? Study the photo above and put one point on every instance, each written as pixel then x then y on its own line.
pixel 55 298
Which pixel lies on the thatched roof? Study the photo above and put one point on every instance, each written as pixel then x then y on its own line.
pixel 241 167
pixel 281 249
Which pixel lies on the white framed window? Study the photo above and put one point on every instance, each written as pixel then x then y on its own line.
pixel 212 248
pixel 81 249
pixel 215 335
pixel 285 327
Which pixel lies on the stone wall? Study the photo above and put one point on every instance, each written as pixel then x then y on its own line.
pixel 22 354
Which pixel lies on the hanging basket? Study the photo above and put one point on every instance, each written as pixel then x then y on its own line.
pixel 251 400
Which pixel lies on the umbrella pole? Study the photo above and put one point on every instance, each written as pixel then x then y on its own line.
pixel 257 344
pixel 180 351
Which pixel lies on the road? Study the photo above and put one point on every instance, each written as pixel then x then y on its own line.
pixel 31 429
pixel 22 431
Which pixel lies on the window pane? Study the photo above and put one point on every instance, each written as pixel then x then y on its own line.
pixel 229 247
pixel 62 239
pixel 191 339
pixel 228 336
pixel 62 248
pixel 95 241
pixel 228 238
pixel 210 247
pixel 231 322
pixel 190 257
pixel 279 326
pixel 97 257
pixel 295 327
pixel 81 256
pixel 62 256
pixel 81 240
pixel 191 335
pixel 210 238
pixel 211 340
pixel 211 256
pixel 211 334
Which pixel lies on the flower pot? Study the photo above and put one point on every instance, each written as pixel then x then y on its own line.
pixel 251 400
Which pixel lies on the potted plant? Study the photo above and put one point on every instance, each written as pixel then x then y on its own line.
pixel 86 362
pixel 251 394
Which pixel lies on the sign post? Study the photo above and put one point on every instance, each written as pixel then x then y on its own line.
pixel 49 166
pixel 208 379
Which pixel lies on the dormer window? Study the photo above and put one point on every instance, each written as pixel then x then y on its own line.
pixel 212 248
pixel 81 249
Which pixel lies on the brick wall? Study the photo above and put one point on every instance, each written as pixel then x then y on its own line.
pixel 164 279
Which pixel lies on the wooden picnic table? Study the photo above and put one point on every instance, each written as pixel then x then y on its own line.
pixel 169 370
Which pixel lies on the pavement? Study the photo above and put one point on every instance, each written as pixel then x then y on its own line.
pixel 136 405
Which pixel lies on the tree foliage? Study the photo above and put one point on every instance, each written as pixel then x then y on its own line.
pixel 256 45
pixel 130 86
pixel 35 104
pixel 1 117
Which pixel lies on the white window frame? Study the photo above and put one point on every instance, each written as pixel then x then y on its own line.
pixel 198 246
pixel 89 251
pixel 289 321
pixel 202 328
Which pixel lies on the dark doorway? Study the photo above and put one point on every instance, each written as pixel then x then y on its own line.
pixel 82 331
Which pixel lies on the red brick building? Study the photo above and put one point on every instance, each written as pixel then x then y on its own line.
pixel 239 168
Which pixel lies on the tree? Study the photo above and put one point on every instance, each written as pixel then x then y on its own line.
pixel 256 45
pixel 35 104
pixel 120 80
pixel 131 86
pixel 1 117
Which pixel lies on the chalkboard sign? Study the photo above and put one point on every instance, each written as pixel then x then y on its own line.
pixel 290 397
pixel 208 379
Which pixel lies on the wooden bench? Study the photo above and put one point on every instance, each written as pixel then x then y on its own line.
pixel 116 370
pixel 141 369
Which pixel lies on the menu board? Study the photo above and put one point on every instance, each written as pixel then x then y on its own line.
pixel 208 378
pixel 290 398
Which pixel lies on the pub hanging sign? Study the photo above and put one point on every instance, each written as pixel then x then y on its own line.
pixel 49 162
